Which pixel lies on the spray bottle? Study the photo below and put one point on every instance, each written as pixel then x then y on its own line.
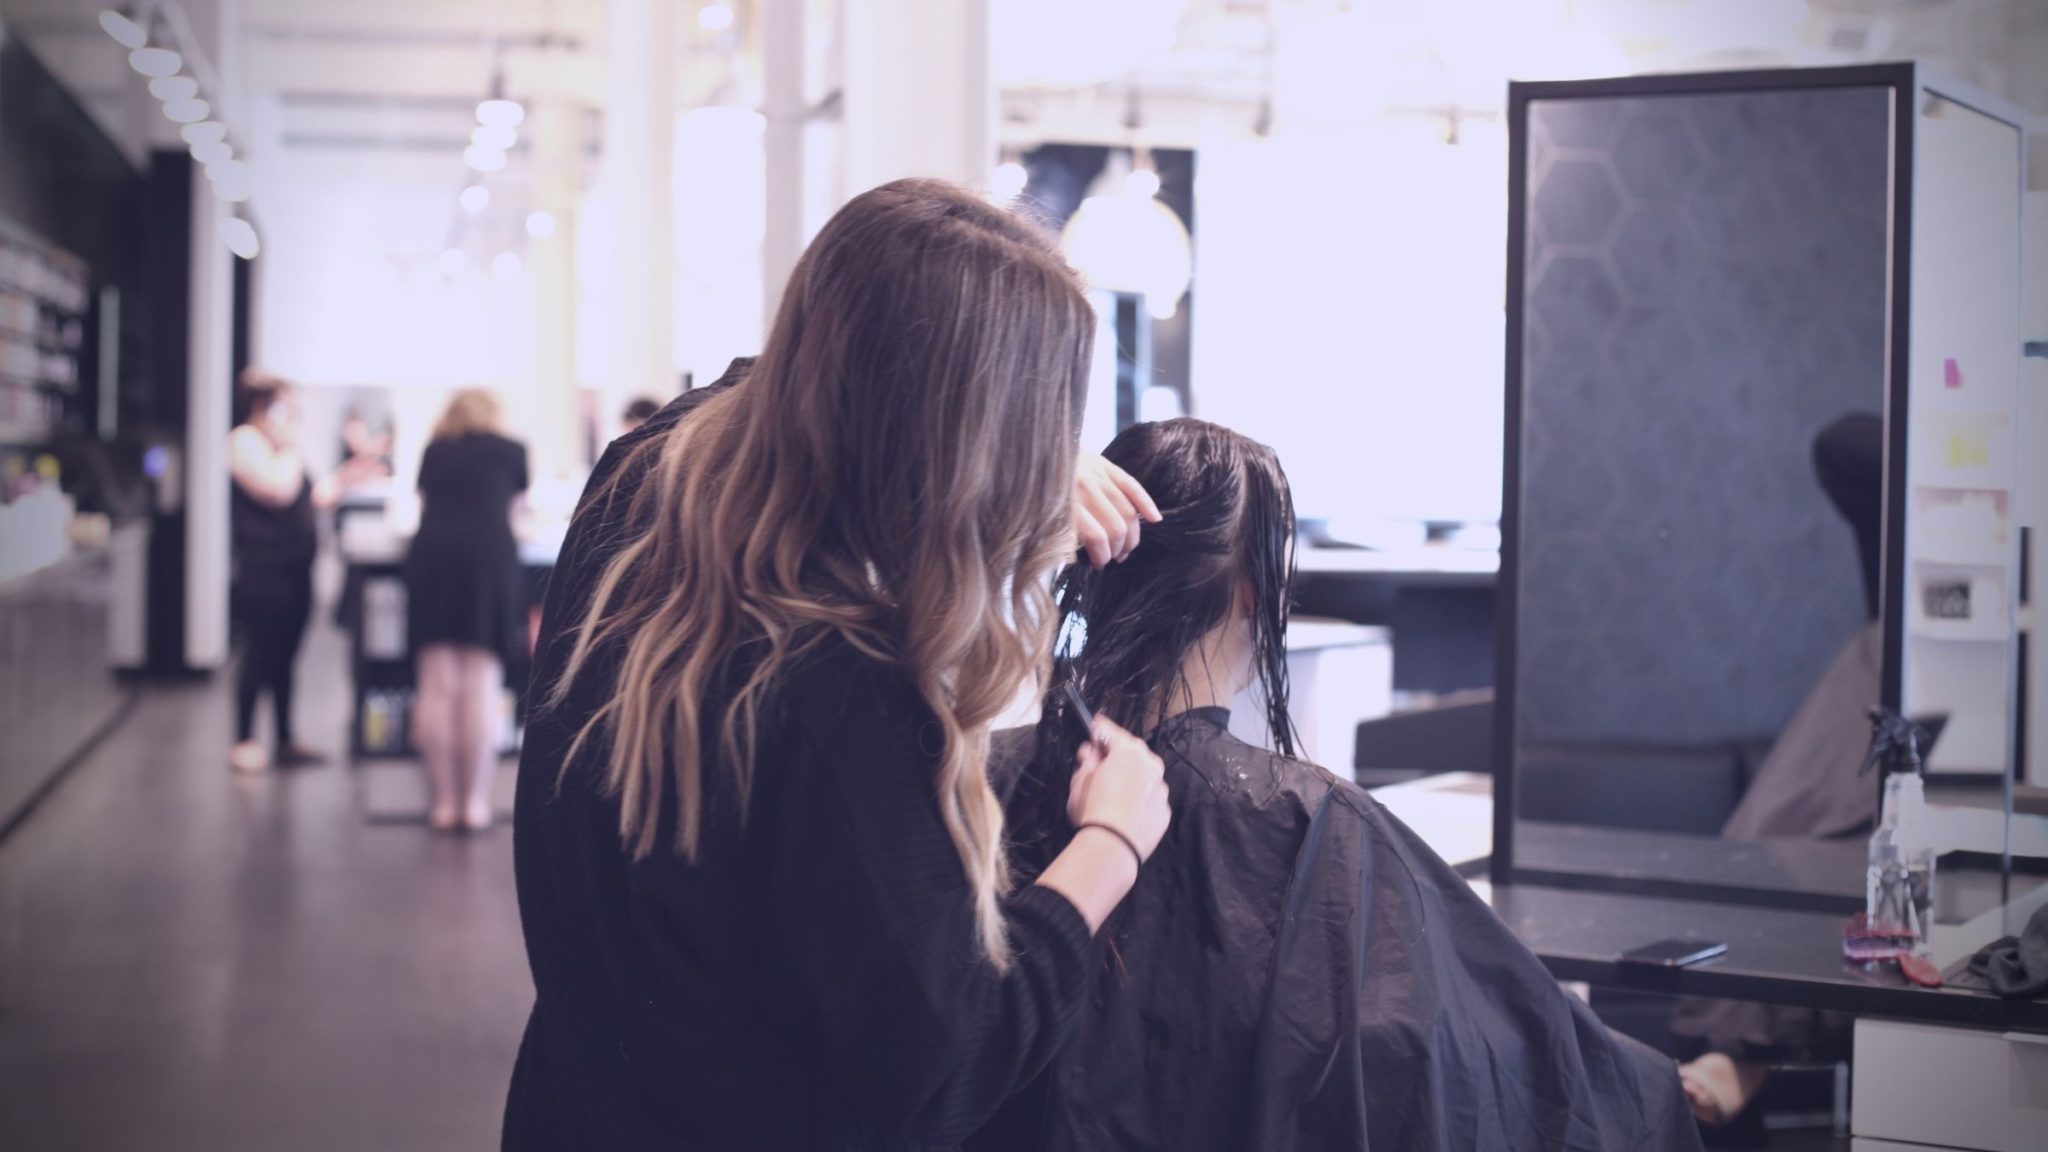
pixel 1899 887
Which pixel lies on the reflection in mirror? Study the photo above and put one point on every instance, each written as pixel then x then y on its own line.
pixel 1701 495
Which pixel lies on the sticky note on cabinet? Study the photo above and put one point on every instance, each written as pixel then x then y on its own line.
pixel 1951 374
pixel 1969 448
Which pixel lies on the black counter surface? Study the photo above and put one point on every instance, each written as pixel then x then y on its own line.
pixel 1775 955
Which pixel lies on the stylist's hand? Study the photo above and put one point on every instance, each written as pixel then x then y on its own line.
pixel 1109 507
pixel 1125 789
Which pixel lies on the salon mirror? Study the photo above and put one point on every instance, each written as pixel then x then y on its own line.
pixel 1717 563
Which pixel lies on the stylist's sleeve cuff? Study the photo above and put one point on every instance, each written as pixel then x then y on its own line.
pixel 1043 917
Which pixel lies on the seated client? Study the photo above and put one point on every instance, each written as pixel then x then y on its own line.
pixel 1294 969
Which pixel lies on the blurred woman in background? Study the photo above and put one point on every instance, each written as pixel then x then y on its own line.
pixel 274 540
pixel 640 411
pixel 466 605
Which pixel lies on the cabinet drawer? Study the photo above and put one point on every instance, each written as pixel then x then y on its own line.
pixel 1951 1087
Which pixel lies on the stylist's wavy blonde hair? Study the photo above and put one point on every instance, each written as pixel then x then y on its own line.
pixel 895 470
pixel 469 410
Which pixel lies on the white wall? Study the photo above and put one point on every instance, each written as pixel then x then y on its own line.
pixel 352 294
pixel 721 214
pixel 918 96
pixel 1349 312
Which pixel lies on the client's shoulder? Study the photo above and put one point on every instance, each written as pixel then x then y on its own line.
pixel 1238 773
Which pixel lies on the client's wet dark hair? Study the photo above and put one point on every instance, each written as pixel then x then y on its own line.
pixel 1126 629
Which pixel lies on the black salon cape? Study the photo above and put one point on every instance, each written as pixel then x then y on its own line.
pixel 1297 970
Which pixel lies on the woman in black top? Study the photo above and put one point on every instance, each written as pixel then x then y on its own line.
pixel 465 605
pixel 271 504
pixel 760 864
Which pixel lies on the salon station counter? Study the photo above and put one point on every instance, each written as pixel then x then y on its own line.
pixel 1951 1067
pixel 57 692
pixel 372 541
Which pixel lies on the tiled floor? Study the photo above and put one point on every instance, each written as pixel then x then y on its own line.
pixel 192 960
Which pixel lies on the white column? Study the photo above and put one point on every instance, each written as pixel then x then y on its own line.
pixel 209 382
pixel 782 54
pixel 919 97
pixel 639 153
pixel 556 130
pixel 209 396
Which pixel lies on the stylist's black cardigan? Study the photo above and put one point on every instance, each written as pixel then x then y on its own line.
pixel 812 981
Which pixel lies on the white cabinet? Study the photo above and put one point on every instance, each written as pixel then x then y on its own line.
pixel 1926 1085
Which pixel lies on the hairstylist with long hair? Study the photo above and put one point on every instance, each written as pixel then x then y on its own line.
pixel 760 864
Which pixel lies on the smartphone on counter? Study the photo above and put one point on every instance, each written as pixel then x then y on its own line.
pixel 1674 953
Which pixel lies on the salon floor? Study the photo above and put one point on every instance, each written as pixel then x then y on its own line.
pixel 192 960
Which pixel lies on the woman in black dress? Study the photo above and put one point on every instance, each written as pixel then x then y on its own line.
pixel 465 606
pixel 760 864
